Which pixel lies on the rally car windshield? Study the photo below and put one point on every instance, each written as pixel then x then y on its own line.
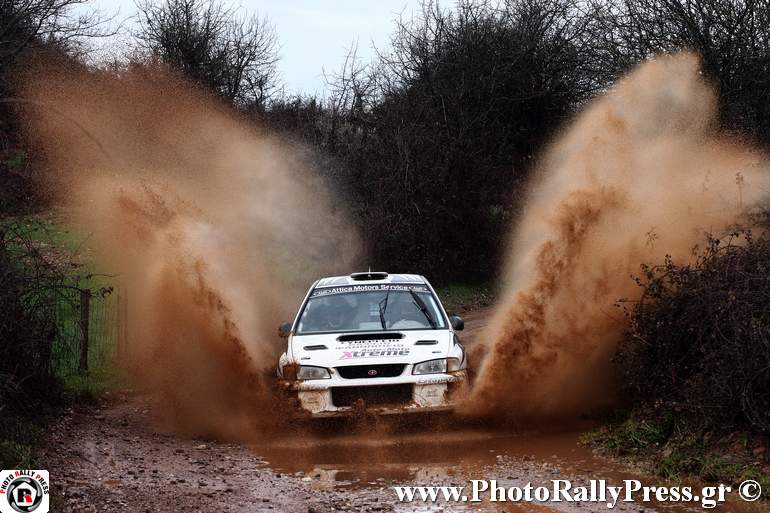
pixel 411 308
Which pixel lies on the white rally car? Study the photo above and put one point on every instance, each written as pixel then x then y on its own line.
pixel 373 341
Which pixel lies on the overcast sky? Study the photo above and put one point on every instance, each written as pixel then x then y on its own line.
pixel 314 34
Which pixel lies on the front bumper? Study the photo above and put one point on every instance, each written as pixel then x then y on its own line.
pixel 429 393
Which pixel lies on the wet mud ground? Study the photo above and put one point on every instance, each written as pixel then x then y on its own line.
pixel 110 458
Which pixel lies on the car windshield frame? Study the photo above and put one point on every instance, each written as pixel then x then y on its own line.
pixel 434 306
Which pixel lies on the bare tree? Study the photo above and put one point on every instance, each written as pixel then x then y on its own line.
pixel 44 24
pixel 436 137
pixel 351 96
pixel 732 39
pixel 56 29
pixel 456 110
pixel 232 55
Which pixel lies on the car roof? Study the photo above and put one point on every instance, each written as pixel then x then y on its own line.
pixel 339 281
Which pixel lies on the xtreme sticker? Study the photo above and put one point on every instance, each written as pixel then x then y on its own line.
pixel 374 353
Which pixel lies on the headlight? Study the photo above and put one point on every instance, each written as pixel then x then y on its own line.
pixel 439 366
pixel 430 367
pixel 309 372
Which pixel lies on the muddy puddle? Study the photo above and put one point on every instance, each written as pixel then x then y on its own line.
pixel 382 456
pixel 420 454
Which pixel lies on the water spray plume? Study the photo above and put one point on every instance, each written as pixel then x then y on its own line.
pixel 215 228
pixel 641 173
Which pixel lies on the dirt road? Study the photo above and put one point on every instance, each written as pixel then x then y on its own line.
pixel 110 458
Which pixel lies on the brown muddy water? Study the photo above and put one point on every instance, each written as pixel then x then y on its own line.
pixel 376 457
pixel 421 455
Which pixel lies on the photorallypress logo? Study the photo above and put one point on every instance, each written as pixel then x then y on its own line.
pixel 24 491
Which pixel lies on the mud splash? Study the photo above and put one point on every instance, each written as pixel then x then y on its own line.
pixel 640 174
pixel 214 228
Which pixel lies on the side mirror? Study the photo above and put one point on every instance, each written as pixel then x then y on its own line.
pixel 457 322
pixel 284 330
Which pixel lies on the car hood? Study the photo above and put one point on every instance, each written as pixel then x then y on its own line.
pixel 335 350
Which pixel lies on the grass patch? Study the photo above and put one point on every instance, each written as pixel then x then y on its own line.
pixel 459 298
pixel 90 385
pixel 666 445
pixel 20 439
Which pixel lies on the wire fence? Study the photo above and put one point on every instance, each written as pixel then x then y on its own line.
pixel 91 330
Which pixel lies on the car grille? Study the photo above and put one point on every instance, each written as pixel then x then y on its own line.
pixel 387 370
pixel 373 395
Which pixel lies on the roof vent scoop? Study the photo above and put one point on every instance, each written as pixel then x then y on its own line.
pixel 367 276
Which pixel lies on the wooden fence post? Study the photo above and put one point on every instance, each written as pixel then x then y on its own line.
pixel 120 318
pixel 85 317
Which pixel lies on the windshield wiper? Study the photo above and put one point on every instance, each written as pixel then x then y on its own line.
pixel 424 309
pixel 383 306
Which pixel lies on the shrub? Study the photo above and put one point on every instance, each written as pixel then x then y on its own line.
pixel 29 283
pixel 698 341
